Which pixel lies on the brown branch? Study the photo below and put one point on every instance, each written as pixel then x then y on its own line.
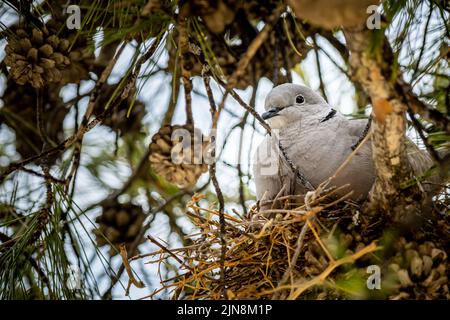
pixel 212 173
pixel 339 46
pixel 363 134
pixel 251 110
pixel 40 175
pixel 96 91
pixel 131 278
pixel 76 157
pixel 424 110
pixel 363 100
pixel 167 250
pixel 275 66
pixel 247 57
pixel 319 69
pixel 78 142
pixel 137 69
pixel 284 55
pixel 215 113
pixel 44 214
pixel 424 41
pixel 173 102
pixel 39 118
pixel 254 46
pixel 241 143
pixel 183 47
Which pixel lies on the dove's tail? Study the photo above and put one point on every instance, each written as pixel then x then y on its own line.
pixel 422 163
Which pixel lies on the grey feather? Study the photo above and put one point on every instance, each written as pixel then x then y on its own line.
pixel 316 148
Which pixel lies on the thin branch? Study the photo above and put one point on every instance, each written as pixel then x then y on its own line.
pixel 251 110
pixel 250 53
pixel 424 110
pixel 183 47
pixel 424 41
pixel 319 69
pixel 131 278
pixel 40 175
pixel 215 113
pixel 239 155
pixel 165 249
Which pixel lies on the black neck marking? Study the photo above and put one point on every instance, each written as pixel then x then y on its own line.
pixel 329 115
pixel 298 174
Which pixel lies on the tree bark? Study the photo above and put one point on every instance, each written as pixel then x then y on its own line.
pixel 374 71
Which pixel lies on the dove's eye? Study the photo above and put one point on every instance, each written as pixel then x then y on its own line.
pixel 299 99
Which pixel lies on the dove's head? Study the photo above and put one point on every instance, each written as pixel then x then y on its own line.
pixel 289 103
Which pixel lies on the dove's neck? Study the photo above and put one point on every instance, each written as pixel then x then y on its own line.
pixel 309 142
pixel 318 128
pixel 322 117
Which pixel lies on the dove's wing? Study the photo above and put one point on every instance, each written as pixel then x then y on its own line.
pixel 356 127
pixel 270 172
pixel 419 159
pixel 322 147
pixel 359 172
pixel 421 162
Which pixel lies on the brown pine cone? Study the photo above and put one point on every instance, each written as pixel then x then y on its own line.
pixel 19 114
pixel 46 55
pixel 119 224
pixel 420 271
pixel 36 56
pixel 258 10
pixel 80 53
pixel 215 14
pixel 118 120
pixel 286 40
pixel 179 162
pixel 82 61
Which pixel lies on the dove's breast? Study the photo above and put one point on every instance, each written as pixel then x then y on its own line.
pixel 318 152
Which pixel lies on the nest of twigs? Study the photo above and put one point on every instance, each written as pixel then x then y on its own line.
pixel 312 246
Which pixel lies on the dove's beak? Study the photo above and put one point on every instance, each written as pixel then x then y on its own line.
pixel 271 113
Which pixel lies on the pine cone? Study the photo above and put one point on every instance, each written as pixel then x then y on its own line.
pixel 315 259
pixel 81 54
pixel 46 55
pixel 36 56
pixel 19 114
pixel 119 224
pixel 120 123
pixel 227 51
pixel 420 270
pixel 118 120
pixel 258 10
pixel 179 162
pixel 339 245
pixel 82 61
pixel 216 14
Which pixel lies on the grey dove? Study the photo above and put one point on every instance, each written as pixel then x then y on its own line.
pixel 310 140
